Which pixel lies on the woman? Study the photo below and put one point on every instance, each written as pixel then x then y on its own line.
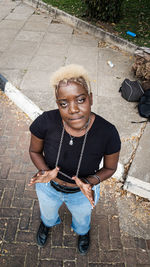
pixel 67 146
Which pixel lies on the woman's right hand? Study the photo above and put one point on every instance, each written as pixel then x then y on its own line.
pixel 44 176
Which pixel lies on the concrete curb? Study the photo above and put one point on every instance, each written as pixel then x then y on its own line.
pixel 83 26
pixel 22 101
pixel 137 187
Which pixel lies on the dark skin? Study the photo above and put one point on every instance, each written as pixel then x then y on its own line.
pixel 74 104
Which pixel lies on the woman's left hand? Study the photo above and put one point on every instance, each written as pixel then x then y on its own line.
pixel 86 189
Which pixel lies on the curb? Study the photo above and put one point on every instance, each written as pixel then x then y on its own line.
pixel 84 26
pixel 22 101
pixel 137 187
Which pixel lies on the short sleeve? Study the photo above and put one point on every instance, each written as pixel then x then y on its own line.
pixel 114 143
pixel 38 126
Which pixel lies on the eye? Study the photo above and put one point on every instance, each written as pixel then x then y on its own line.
pixel 81 100
pixel 63 104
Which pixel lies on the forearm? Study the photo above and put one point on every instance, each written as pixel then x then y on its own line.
pixel 103 174
pixel 38 160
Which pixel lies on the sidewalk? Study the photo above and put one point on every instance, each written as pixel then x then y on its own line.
pixel 120 235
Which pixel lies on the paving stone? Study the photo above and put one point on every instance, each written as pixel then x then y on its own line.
pixel 9 212
pixel 137 169
pixel 60 28
pixel 81 261
pixel 57 235
pixel 70 241
pixel 30 81
pixel 130 256
pixel 25 219
pixel 12 24
pixel 148 244
pixel 11 229
pixel 23 236
pixel 12 247
pixel 95 244
pixel 110 256
pixel 15 61
pixel 142 256
pixel 21 12
pixel 13 261
pixel 5 171
pixel 104 240
pixel 32 26
pixel 6 39
pixel 84 40
pixel 2 232
pixel 61 253
pixel 47 263
pixel 50 49
pixel 20 48
pixel 3 223
pixel 32 256
pixel 30 36
pixel 57 38
pixel 46 63
pixel 7 197
pixel 22 203
pixel 69 264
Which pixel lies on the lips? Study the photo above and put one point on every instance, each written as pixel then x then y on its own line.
pixel 75 119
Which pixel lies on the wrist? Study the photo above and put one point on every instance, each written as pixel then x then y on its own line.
pixel 97 177
pixel 42 171
pixel 86 181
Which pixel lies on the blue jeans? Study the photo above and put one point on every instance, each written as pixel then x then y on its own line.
pixel 50 201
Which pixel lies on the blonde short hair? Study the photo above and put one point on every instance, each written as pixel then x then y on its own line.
pixel 71 73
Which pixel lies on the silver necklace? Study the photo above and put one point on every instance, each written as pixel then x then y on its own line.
pixel 81 153
pixel 71 140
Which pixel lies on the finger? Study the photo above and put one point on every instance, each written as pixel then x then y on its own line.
pixel 31 183
pixel 55 171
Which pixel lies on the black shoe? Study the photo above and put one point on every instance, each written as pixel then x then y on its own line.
pixel 83 243
pixel 42 234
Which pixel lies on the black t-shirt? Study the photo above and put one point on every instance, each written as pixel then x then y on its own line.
pixel 102 139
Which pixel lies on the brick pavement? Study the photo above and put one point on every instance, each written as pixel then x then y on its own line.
pixel 111 246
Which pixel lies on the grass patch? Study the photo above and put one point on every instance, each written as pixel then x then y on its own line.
pixel 135 18
pixel 76 8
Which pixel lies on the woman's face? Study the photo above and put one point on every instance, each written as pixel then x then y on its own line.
pixel 74 104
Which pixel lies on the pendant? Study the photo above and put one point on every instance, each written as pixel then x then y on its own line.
pixel 71 142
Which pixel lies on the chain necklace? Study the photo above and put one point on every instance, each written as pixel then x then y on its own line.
pixel 81 153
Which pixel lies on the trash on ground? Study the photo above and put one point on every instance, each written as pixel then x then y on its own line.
pixel 131 33
pixel 110 64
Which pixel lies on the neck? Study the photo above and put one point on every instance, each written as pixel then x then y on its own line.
pixel 78 132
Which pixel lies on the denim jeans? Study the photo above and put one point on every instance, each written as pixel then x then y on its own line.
pixel 50 201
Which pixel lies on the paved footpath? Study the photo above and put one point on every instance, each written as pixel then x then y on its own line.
pixel 120 235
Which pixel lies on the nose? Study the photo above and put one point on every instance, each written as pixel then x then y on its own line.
pixel 73 108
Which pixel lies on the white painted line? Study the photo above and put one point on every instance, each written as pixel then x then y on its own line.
pixel 137 187
pixel 22 101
